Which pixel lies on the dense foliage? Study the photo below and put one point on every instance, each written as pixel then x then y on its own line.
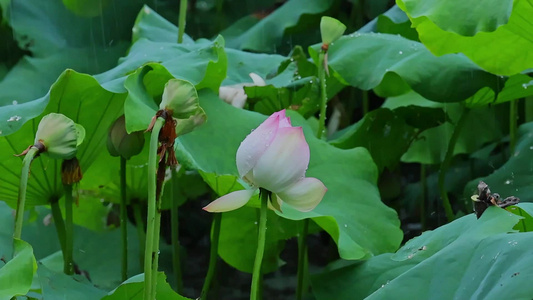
pixel 424 100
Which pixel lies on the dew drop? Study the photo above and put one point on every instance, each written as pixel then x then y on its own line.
pixel 14 119
pixel 15 102
pixel 400 52
pixel 345 225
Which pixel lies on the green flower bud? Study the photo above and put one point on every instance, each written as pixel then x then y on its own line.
pixel 184 126
pixel 59 136
pixel 120 143
pixel 180 99
pixel 331 30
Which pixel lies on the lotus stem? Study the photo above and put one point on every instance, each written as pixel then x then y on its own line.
pixel 123 218
pixel 19 215
pixel 59 223
pixel 140 232
pixel 68 266
pixel 423 196
pixel 256 275
pixel 174 221
pixel 323 94
pixel 302 259
pixel 182 20
pixel 446 163
pixel 513 109
pixel 149 254
pixel 213 255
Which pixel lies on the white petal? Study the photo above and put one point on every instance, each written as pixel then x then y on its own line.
pixel 255 144
pixel 229 93
pixel 230 201
pixel 258 81
pixel 304 195
pixel 284 162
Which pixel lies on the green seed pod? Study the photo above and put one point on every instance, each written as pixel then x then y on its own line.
pixel 120 143
pixel 331 30
pixel 180 98
pixel 59 135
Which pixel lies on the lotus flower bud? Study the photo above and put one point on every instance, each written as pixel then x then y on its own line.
pixel 120 143
pixel 58 136
pixel 331 30
pixel 275 156
pixel 180 98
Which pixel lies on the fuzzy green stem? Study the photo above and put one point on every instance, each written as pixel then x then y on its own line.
pixel 446 163
pixel 182 20
pixel 174 222
pixel 256 275
pixel 140 232
pixel 423 196
pixel 59 223
pixel 513 125
pixel 149 254
pixel 213 255
pixel 155 264
pixel 365 102
pixel 302 259
pixel 123 218
pixel 68 266
pixel 528 109
pixel 323 94
pixel 19 216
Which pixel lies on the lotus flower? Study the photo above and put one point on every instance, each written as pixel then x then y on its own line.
pixel 235 95
pixel 275 157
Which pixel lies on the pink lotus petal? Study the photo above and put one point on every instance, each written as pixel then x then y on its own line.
pixel 230 201
pixel 255 144
pixel 304 195
pixel 284 161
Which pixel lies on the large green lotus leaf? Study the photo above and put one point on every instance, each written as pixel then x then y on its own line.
pixel 79 97
pixel 517 86
pixel 150 25
pixel 514 177
pixel 395 21
pixel 450 15
pixel 133 289
pixel 203 64
pixel 364 59
pixel 57 285
pixel 481 127
pixel 386 136
pixel 39 73
pixel 241 63
pixel 466 259
pixel 350 175
pixel 47 27
pixel 266 35
pixel 16 274
pixel 508 50
pixel 57 40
